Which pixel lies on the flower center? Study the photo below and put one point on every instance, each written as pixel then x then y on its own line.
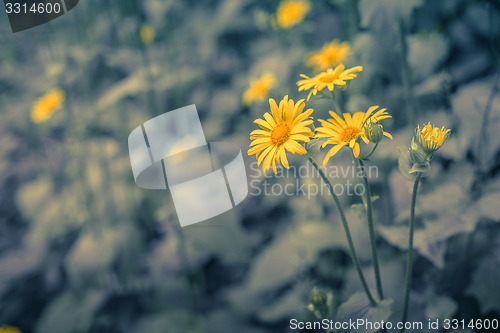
pixel 328 78
pixel 349 133
pixel 280 134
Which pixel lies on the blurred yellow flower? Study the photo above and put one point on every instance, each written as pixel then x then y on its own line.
pixel 9 329
pixel 330 55
pixel 347 131
pixel 259 88
pixel 431 138
pixel 46 105
pixel 147 34
pixel 291 12
pixel 330 78
pixel 281 132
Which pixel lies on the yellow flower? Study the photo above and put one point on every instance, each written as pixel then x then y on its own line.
pixel 347 131
pixel 259 88
pixel 332 54
pixel 431 138
pixel 46 105
pixel 291 12
pixel 147 34
pixel 9 329
pixel 330 78
pixel 281 131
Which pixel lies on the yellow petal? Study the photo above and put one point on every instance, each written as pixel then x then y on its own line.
pixel 332 152
pixel 356 150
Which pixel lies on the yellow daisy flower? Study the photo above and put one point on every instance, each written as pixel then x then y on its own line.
pixel 291 12
pixel 280 132
pixel 330 55
pixel 347 131
pixel 431 138
pixel 46 105
pixel 259 88
pixel 147 34
pixel 9 329
pixel 330 78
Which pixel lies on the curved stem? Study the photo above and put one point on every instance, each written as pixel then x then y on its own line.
pixel 352 250
pixel 369 217
pixel 409 262
pixel 364 157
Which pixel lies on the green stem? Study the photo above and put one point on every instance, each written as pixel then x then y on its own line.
pixel 369 217
pixel 353 18
pixel 352 250
pixel 409 261
pixel 336 104
pixel 364 157
pixel 406 76
pixel 151 95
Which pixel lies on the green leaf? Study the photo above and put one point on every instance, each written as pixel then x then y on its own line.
pixel 382 14
pixel 426 53
pixel 70 312
pixel 445 212
pixel 222 236
pixel 293 252
pixel 359 208
pixel 404 162
pixel 423 168
pixel 172 321
pixel 358 307
pixel 441 308
pixel 95 253
pixel 484 285
pixel 288 306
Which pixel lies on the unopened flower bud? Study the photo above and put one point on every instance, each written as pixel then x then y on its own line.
pixel 318 298
pixel 374 132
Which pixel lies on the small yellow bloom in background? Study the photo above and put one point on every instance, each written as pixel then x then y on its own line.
pixel 281 131
pixel 348 130
pixel 330 79
pixel 330 55
pixel 147 34
pixel 46 105
pixel 259 88
pixel 9 329
pixel 291 12
pixel 431 138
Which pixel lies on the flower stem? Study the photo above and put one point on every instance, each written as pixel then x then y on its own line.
pixel 352 250
pixel 364 157
pixel 406 76
pixel 369 217
pixel 336 104
pixel 409 262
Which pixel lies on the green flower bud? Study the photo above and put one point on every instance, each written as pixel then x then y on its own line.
pixel 318 298
pixel 417 154
pixel 374 132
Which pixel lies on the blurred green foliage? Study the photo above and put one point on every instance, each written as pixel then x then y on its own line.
pixel 82 249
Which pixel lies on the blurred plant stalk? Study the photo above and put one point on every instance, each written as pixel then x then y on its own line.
pixel 406 76
pixel 352 249
pixel 367 201
pixel 409 260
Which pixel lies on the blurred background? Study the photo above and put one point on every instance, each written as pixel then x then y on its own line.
pixel 83 249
